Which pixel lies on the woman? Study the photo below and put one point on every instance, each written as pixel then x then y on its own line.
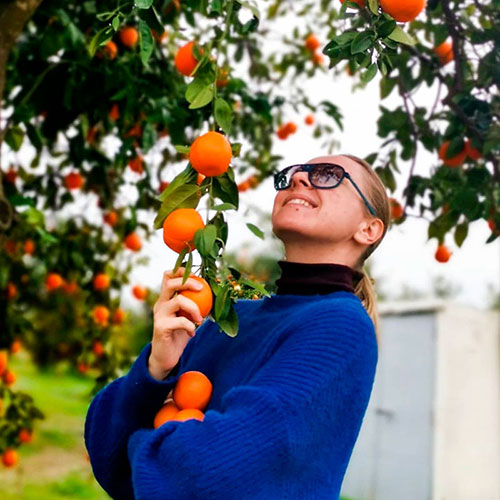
pixel 289 392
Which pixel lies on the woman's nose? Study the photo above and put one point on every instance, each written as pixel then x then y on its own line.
pixel 300 178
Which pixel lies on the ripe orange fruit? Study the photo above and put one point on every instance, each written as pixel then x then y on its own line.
pixel 9 377
pixel 199 179
pixel 135 131
pixel 110 50
pixel 11 290
pixel 455 161
pixel 318 59
pixel 492 226
pixel 29 247
pixel 396 208
pixel 114 112
pixel 98 348
pixel 111 218
pixel 53 281
pixel 101 281
pixel 309 120
pixel 140 292
pixel 10 176
pixel 189 413
pixel 129 36
pixel 25 436
pixel 361 3
pixel 4 358
pixel 193 390
pixel 202 298
pixel 210 154
pixel 243 186
pixel 82 367
pixel 137 164
pixel 118 316
pixel 167 412
pixel 185 62
pixel 179 228
pixel 10 457
pixel 291 127
pixel 15 347
pixel 133 242
pixel 403 10
pixel 442 254
pixel 70 287
pixel 312 43
pixel 282 132
pixel 471 151
pixel 73 180
pixel 101 315
pixel 444 52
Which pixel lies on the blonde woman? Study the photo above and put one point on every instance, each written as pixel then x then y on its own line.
pixel 289 392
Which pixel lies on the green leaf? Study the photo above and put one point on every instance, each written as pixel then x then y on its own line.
pixel 255 230
pixel 146 41
pixel 256 286
pixel 204 239
pixel 373 6
pixel 179 260
pixel 34 217
pixel 386 28
pixel 398 35
pixel 143 4
pixel 223 114
pixel 115 23
pixel 185 196
pixel 225 189
pixel 222 303
pixel 223 206
pixel 14 137
pixel 18 200
pixel 187 176
pixel 370 73
pixel 461 233
pixel 386 86
pixel 229 325
pixel 203 98
pixel 361 42
pixel 182 149
pixel 100 38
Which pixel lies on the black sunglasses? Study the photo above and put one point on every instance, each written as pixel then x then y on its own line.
pixel 321 176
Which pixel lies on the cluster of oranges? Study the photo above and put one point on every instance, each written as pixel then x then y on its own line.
pixel 286 129
pixel 455 161
pixel 312 44
pixel 128 37
pixel 190 396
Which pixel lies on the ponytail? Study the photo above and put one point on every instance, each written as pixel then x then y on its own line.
pixel 366 293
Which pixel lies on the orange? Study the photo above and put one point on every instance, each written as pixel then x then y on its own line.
pixel 167 412
pixel 444 52
pixel 53 281
pixel 199 179
pixel 114 112
pixel 3 361
pixel 135 131
pixel 243 186
pixel 110 50
pixel 471 151
pixel 455 161
pixel 318 59
pixel 396 208
pixel 29 247
pixel 312 43
pixel 73 180
pixel 442 254
pixel 137 164
pixel 179 228
pixel 492 226
pixel 185 62
pixel 101 281
pixel 282 132
pixel 15 347
pixel 11 291
pixel 403 10
pixel 133 242
pixel 82 367
pixel 111 218
pixel 291 127
pixel 193 390
pixel 70 287
pixel 140 292
pixel 101 315
pixel 10 457
pixel 118 316
pixel 189 413
pixel 361 3
pixel 129 36
pixel 210 154
pixel 309 120
pixel 98 348
pixel 25 436
pixel 10 176
pixel 202 298
pixel 9 377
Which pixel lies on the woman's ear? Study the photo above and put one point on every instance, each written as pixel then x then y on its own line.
pixel 369 231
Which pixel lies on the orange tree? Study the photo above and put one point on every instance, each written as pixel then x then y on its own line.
pixel 93 91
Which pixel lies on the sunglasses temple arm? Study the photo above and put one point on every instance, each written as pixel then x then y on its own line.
pixel 362 196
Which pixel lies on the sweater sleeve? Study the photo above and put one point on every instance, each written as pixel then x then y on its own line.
pixel 246 449
pixel 116 412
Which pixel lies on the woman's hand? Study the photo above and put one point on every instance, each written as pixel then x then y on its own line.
pixel 172 333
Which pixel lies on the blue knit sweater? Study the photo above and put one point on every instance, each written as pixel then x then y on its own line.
pixel 289 395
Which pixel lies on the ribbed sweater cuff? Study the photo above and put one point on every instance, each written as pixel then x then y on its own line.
pixel 140 391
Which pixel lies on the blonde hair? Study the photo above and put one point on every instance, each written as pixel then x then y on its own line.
pixel 377 196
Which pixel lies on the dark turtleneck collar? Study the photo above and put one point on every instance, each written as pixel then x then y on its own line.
pixel 299 278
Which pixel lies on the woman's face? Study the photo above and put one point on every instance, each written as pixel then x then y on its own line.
pixel 336 217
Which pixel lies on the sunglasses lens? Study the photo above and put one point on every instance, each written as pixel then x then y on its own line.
pixel 326 175
pixel 283 179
